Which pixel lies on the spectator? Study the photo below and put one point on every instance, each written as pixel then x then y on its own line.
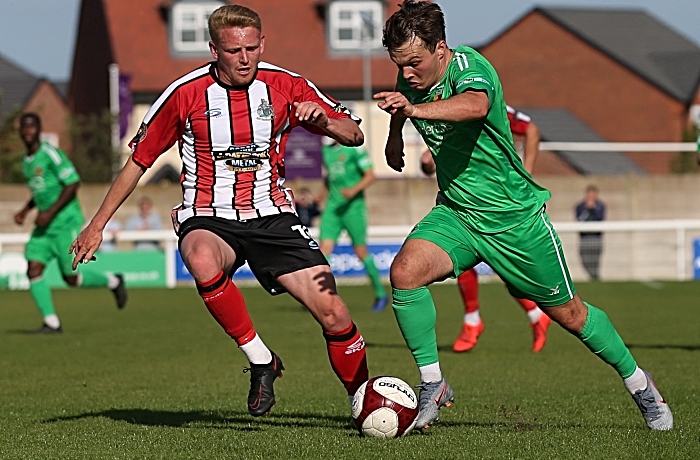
pixel 307 208
pixel 145 219
pixel 591 209
pixel 109 243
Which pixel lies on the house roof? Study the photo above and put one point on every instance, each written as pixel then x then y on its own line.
pixel 638 41
pixel 294 39
pixel 560 125
pixel 16 85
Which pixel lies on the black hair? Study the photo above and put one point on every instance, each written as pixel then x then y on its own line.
pixel 30 115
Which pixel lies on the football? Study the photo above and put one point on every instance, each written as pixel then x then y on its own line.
pixel 385 407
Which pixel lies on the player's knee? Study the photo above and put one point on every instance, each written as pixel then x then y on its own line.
pixel 71 280
pixel 571 315
pixel 202 262
pixel 34 270
pixel 403 274
pixel 336 319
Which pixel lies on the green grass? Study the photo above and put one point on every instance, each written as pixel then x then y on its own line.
pixel 161 380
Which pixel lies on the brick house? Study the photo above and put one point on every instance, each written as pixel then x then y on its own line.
pixel 621 73
pixel 584 75
pixel 155 42
pixel 23 91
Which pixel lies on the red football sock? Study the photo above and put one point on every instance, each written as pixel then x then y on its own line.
pixel 469 288
pixel 226 304
pixel 346 350
pixel 527 304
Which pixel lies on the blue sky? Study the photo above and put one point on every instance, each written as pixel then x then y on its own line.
pixel 39 35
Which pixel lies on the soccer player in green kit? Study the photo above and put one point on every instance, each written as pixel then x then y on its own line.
pixel 54 182
pixel 348 174
pixel 494 210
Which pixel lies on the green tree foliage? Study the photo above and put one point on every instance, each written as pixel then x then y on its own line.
pixel 686 162
pixel 11 149
pixel 92 153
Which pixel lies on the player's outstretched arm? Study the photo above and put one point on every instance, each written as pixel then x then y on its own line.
pixel 90 238
pixel 470 105
pixel 532 147
pixel 344 130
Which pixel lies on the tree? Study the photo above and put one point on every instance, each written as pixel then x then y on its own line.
pixel 686 162
pixel 11 149
pixel 92 154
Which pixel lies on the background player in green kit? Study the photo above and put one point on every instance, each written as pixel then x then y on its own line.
pixel 54 182
pixel 348 174
pixel 493 211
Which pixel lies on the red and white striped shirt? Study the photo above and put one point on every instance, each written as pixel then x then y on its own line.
pixel 519 122
pixel 231 139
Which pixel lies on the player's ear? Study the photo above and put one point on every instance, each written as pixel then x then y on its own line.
pixel 212 49
pixel 262 44
pixel 441 49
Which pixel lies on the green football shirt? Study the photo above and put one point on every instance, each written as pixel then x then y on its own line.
pixel 345 167
pixel 47 172
pixel 477 168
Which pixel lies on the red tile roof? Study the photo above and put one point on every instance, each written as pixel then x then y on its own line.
pixel 295 40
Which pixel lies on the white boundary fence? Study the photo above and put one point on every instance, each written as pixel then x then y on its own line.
pixel 633 250
pixel 619 146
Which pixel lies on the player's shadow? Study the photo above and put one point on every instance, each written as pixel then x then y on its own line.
pixel 664 347
pixel 238 421
pixel 26 332
pixel 401 346
pixel 386 345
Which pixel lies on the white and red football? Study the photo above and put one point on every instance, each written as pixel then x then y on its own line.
pixel 385 407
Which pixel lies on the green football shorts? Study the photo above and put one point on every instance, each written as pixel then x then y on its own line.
pixel 45 246
pixel 351 217
pixel 528 257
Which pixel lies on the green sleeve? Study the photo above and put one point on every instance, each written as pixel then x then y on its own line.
pixel 66 172
pixel 364 162
pixel 469 74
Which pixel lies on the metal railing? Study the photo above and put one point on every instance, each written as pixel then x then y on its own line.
pixel 633 250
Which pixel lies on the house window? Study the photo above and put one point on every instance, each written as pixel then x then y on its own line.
pixel 189 26
pixel 355 25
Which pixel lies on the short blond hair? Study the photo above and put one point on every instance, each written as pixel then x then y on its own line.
pixel 232 16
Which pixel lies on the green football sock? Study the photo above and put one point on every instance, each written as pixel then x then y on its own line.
pixel 93 279
pixel 600 336
pixel 41 293
pixel 415 312
pixel 374 277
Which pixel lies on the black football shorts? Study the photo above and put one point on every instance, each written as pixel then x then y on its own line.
pixel 272 245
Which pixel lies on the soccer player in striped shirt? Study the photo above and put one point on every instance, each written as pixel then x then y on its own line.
pixel 494 210
pixel 520 125
pixel 231 120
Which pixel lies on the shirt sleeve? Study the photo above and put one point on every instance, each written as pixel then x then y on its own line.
pixel 470 75
pixel 161 128
pixel 364 162
pixel 65 171
pixel 305 91
pixel 519 122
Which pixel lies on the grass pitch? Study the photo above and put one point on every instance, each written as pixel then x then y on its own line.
pixel 161 380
